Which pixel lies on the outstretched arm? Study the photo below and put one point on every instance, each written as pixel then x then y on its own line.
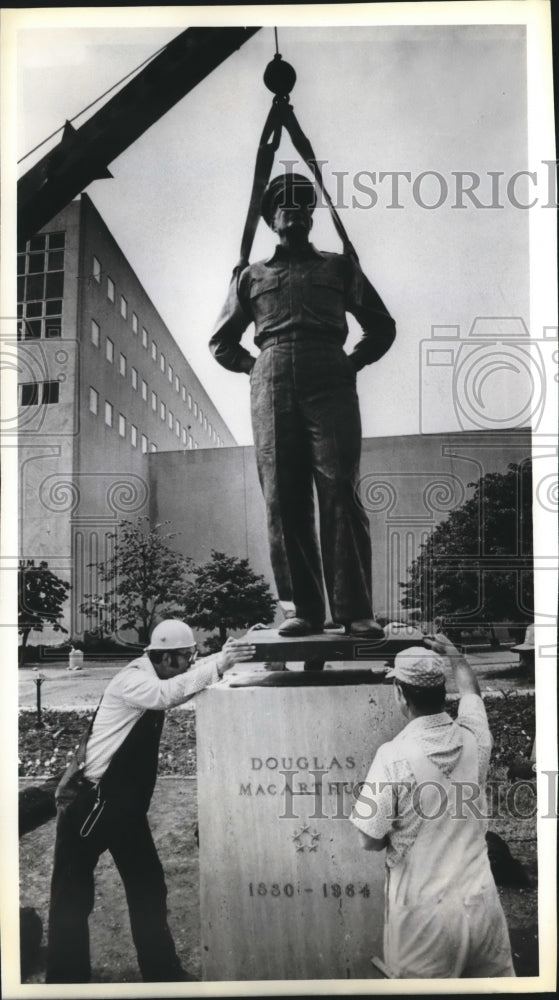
pixel 471 710
pixel 466 680
pixel 234 651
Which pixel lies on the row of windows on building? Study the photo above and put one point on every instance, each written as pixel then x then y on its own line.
pixel 126 427
pixel 97 273
pixel 40 287
pixel 48 392
pixel 139 383
pixel 157 356
pixel 40 296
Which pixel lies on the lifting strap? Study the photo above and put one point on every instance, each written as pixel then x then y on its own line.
pixel 281 115
pixel 269 142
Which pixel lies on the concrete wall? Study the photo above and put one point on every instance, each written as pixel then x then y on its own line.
pixel 214 500
pixel 408 485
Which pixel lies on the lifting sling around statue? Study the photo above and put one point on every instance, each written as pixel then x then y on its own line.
pixel 305 409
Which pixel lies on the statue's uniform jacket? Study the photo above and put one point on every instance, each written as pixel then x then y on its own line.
pixel 305 417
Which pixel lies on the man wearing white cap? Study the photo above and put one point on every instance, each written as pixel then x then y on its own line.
pixel 106 809
pixel 423 801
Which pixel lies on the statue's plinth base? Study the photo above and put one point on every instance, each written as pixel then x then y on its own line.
pixel 287 892
pixel 334 646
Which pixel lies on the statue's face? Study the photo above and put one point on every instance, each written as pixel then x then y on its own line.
pixel 296 220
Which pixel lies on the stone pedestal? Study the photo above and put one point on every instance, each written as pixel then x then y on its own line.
pixel 286 890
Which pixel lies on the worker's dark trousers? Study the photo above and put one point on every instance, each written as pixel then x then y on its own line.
pixel 123 830
pixel 307 428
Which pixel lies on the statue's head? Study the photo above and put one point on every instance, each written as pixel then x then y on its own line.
pixel 289 196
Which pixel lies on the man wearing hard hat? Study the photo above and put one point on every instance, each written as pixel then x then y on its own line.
pixel 423 801
pixel 105 806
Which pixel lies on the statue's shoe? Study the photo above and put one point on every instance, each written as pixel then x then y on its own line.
pixel 298 626
pixel 365 628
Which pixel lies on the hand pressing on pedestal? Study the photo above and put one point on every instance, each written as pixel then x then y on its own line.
pixel 234 651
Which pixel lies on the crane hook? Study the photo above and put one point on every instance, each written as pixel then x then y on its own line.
pixel 280 77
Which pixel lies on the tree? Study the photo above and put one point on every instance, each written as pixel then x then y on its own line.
pixel 41 595
pixel 225 593
pixel 476 566
pixel 147 578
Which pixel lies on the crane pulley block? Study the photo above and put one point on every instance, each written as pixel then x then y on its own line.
pixel 280 77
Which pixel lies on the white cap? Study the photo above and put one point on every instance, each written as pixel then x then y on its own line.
pixel 418 666
pixel 171 634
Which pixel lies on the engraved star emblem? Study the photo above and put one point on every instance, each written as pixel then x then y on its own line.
pixel 306 839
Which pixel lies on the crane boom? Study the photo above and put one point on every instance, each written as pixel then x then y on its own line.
pixel 83 154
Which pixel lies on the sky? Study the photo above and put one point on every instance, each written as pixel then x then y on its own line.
pixel 431 101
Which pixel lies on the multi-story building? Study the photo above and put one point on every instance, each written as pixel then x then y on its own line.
pixel 102 385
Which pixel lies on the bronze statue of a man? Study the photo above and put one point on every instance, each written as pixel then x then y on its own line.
pixel 305 410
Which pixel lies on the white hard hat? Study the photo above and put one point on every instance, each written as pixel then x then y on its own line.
pixel 171 634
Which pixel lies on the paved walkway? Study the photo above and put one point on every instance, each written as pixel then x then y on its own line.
pixel 497 670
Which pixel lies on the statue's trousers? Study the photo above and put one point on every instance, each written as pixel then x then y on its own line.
pixel 307 428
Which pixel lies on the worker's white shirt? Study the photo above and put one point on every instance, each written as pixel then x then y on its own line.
pixel 133 690
pixel 386 805
pixel 443 916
